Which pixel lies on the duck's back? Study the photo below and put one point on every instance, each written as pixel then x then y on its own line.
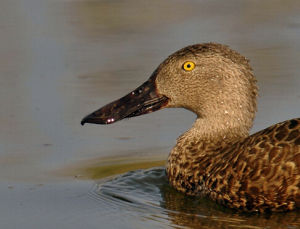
pixel 262 172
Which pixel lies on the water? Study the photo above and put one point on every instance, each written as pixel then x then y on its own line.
pixel 61 60
pixel 146 194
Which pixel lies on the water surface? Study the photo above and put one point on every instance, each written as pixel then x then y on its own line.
pixel 61 60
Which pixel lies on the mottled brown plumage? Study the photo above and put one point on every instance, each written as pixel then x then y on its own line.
pixel 217 157
pixel 257 173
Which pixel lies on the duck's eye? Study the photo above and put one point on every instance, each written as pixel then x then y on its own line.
pixel 188 66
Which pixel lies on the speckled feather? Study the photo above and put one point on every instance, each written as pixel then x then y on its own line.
pixel 258 173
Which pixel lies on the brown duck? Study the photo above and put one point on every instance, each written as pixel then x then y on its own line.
pixel 216 157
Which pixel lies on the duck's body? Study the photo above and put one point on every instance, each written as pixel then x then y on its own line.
pixel 216 157
pixel 256 173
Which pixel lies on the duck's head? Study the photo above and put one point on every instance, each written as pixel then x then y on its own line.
pixel 210 80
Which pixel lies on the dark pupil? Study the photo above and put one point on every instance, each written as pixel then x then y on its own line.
pixel 188 66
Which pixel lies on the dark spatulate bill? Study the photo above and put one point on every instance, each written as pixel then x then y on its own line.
pixel 145 99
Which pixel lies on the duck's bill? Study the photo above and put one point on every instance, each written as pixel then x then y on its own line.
pixel 145 99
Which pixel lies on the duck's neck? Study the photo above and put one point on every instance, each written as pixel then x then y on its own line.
pixel 191 158
pixel 209 130
pixel 210 133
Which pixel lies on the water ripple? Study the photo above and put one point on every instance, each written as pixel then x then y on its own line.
pixel 146 194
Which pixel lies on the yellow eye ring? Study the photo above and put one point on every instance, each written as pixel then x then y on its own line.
pixel 188 66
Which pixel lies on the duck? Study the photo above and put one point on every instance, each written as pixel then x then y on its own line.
pixel 217 158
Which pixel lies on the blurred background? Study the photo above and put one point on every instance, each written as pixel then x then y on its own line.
pixel 62 59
